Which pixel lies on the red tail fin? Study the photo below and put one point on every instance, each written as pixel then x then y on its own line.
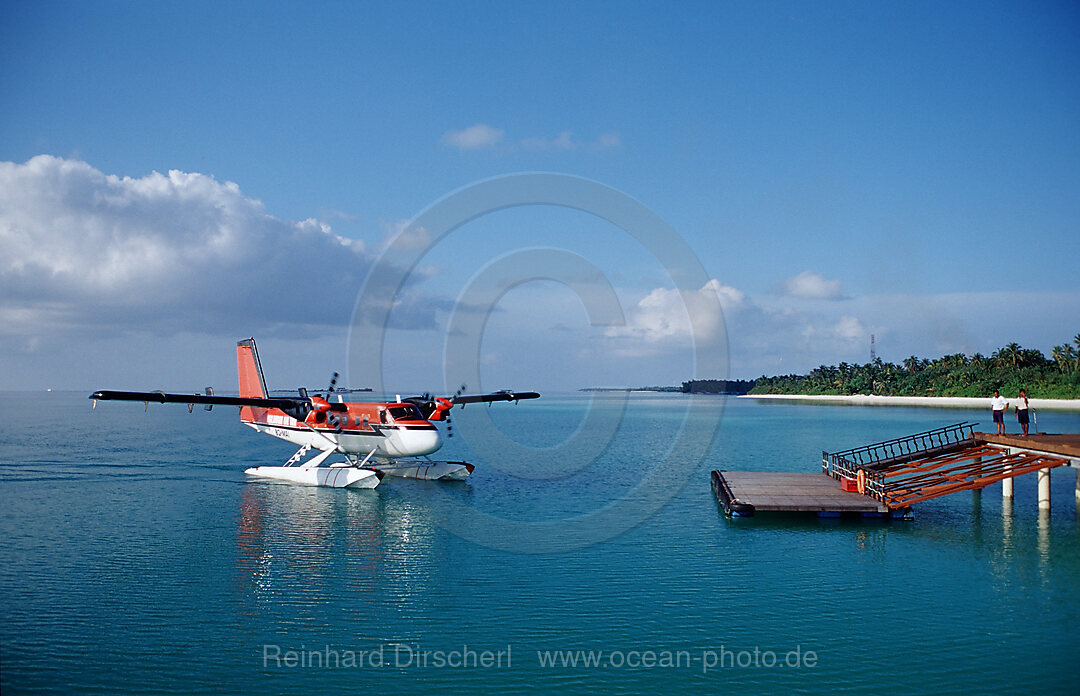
pixel 252 383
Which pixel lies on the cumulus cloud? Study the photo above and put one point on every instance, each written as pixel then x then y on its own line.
pixel 86 251
pixel 608 140
pixel 402 235
pixel 764 334
pixel 813 286
pixel 567 142
pixel 849 329
pixel 474 137
pixel 665 313
pixel 482 135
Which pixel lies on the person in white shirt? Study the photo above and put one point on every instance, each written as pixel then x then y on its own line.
pixel 998 406
pixel 1022 412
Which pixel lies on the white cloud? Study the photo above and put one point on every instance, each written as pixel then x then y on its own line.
pixel 813 286
pixel 565 141
pixel 608 140
pixel 481 135
pixel 665 314
pixel 86 251
pixel 403 236
pixel 474 137
pixel 770 334
pixel 850 329
pixel 731 299
pixel 822 331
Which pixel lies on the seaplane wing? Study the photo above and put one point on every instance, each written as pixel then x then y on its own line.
pixel 436 407
pixel 380 438
pixel 160 397
pixel 505 395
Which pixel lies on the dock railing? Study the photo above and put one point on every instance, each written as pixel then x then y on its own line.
pixel 872 482
pixel 915 445
pixel 859 463
pixel 928 465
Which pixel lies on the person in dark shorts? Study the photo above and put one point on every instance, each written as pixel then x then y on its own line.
pixel 998 405
pixel 1022 412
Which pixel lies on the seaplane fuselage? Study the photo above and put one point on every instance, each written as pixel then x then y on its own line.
pixel 382 430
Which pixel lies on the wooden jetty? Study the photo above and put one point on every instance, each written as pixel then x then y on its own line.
pixel 1067 445
pixel 742 493
pixel 887 478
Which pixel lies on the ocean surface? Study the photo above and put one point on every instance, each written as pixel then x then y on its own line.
pixel 136 557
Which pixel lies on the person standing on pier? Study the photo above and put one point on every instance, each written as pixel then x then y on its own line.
pixel 1022 412
pixel 998 406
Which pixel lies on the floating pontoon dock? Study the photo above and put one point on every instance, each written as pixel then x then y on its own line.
pixel 887 478
pixel 742 493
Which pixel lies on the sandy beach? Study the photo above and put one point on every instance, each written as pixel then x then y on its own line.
pixel 928 401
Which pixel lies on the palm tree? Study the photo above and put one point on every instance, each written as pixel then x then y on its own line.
pixel 1009 355
pixel 1063 356
pixel 1031 357
pixel 955 360
pixel 888 376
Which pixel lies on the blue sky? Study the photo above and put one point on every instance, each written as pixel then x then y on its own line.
pixel 840 169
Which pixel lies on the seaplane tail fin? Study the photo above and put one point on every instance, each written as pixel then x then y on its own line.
pixel 252 382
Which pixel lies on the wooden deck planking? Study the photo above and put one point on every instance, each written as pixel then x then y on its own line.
pixel 1067 445
pixel 794 492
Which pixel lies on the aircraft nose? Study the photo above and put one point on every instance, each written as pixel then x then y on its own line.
pixel 415 443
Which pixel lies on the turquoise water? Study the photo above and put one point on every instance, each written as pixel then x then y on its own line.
pixel 135 557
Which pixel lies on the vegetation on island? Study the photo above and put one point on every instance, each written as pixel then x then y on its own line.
pixel 1009 370
pixel 694 386
pixel 717 386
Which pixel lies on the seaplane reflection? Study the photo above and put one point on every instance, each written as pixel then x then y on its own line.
pixel 300 548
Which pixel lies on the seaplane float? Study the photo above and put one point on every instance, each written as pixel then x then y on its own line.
pixel 376 439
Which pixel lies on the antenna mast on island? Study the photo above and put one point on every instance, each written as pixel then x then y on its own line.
pixel 873 353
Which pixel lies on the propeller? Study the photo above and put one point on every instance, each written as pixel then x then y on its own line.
pixel 320 392
pixel 440 408
pixel 449 424
pixel 436 407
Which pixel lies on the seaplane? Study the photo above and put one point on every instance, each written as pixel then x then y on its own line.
pixel 376 439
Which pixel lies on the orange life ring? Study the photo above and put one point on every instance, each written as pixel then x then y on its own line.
pixel 860 480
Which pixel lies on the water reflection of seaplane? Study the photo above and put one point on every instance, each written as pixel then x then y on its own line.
pixel 376 439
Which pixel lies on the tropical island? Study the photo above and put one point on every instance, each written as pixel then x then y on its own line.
pixel 1008 369
pixel 736 387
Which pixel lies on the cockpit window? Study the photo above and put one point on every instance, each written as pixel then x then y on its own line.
pixel 406 412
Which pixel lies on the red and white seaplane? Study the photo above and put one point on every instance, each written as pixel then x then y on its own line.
pixel 376 439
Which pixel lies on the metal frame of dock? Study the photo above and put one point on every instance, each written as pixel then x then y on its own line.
pixel 891 476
